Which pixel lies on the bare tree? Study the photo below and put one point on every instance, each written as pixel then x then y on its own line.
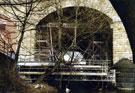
pixel 20 11
pixel 75 31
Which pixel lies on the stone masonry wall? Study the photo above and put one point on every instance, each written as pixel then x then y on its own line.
pixel 121 46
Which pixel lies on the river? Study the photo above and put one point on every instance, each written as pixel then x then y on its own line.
pixel 88 87
pixel 99 91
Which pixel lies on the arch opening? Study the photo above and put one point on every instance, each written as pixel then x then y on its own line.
pixel 75 29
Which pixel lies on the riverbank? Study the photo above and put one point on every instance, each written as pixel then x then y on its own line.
pixel 11 83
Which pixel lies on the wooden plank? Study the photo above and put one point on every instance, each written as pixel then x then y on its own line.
pixel 31 73
pixel 68 73
pixel 80 73
pixel 35 64
pixel 65 25
pixel 86 66
pixel 41 41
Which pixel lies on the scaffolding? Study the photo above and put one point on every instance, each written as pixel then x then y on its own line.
pixel 93 64
pixel 93 46
pixel 96 72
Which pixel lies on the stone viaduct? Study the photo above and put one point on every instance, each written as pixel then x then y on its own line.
pixel 121 46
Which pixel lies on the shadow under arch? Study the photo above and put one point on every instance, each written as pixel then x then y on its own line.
pixel 93 36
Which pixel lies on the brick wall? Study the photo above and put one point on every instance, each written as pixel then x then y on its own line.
pixel 7 33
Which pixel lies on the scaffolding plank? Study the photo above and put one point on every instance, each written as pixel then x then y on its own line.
pixel 31 73
pixel 80 73
pixel 86 66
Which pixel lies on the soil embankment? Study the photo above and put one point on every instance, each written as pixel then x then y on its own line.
pixel 12 83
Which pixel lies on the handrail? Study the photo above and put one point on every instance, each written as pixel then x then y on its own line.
pixel 36 54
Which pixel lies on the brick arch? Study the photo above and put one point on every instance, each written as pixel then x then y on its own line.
pixel 103 6
pixel 121 46
pixel 84 17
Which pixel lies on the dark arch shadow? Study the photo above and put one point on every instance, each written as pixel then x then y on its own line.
pixel 94 29
pixel 68 15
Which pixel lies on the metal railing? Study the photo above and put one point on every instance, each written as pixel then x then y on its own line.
pixel 75 72
pixel 42 55
pixel 30 63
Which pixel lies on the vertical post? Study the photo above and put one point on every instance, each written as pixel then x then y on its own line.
pixel 60 14
pixel 114 76
pixel 39 50
pixel 59 35
pixel 76 23
pixel 51 41
pixel 75 34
